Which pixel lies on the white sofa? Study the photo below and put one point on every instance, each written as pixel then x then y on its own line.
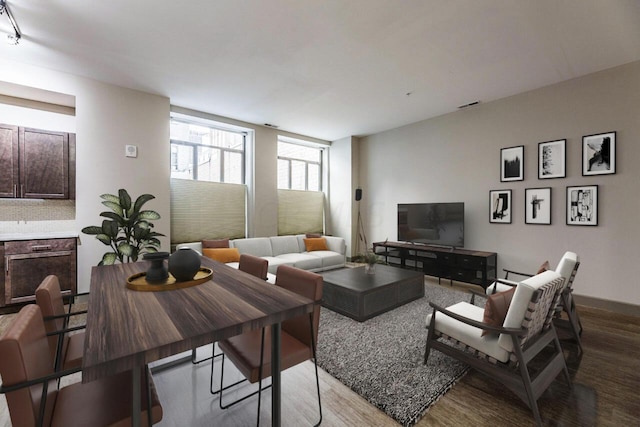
pixel 287 250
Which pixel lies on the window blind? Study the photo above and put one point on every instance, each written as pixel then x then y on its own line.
pixel 300 212
pixel 207 210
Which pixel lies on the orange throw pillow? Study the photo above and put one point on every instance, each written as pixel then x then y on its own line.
pixel 316 244
pixel 496 307
pixel 544 267
pixel 224 255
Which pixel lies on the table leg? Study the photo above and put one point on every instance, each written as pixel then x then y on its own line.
pixel 275 375
pixel 136 408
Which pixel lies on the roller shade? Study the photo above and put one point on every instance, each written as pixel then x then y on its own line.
pixel 207 210
pixel 300 212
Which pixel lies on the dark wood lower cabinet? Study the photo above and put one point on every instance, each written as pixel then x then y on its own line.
pixel 28 262
pixel 462 265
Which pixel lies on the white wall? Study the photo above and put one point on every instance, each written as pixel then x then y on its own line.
pixel 342 184
pixel 455 157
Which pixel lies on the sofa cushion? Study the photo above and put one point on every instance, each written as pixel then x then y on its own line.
pixel 257 246
pixel 284 245
pixel 303 261
pixel 329 259
pixel 468 334
pixel 316 244
pixel 274 262
pixel 215 243
pixel 222 254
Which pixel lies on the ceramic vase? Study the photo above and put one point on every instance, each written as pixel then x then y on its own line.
pixel 184 264
pixel 370 268
pixel 157 272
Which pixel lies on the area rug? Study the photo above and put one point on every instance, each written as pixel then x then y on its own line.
pixel 382 359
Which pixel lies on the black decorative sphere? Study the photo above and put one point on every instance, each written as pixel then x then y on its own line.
pixel 157 272
pixel 184 264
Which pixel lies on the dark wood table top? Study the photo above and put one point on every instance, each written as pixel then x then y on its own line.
pixel 127 329
pixel 358 280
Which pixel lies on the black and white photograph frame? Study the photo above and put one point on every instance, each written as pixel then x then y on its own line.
pixel 582 205
pixel 552 159
pixel 537 206
pixel 500 204
pixel 512 164
pixel 599 154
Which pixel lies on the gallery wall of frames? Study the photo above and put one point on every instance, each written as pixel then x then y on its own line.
pixel 581 202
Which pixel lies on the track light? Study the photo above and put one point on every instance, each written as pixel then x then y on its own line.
pixel 11 38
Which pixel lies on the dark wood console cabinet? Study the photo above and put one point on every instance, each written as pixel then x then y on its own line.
pixel 28 262
pixel 462 265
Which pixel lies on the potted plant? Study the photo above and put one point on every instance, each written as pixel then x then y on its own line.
pixel 127 229
pixel 370 259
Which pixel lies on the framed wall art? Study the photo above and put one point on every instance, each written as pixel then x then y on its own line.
pixel 552 159
pixel 582 205
pixel 500 206
pixel 512 164
pixel 537 206
pixel 599 154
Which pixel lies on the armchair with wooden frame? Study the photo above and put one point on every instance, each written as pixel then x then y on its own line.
pixel 567 268
pixel 250 352
pixel 33 394
pixel 504 352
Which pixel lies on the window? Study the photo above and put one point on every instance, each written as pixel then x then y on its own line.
pixel 207 153
pixel 299 166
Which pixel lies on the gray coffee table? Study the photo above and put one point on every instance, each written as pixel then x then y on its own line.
pixel 361 296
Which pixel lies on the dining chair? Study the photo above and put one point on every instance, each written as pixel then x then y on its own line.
pixel 256 266
pixel 250 352
pixel 66 348
pixel 35 399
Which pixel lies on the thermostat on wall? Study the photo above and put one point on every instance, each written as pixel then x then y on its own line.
pixel 131 151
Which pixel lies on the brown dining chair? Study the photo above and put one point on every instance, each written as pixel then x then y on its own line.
pixel 256 266
pixel 250 352
pixel 65 348
pixel 34 398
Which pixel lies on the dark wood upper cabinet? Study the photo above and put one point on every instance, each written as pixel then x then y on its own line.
pixel 8 160
pixel 36 164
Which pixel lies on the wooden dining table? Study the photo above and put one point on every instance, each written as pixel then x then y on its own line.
pixel 128 329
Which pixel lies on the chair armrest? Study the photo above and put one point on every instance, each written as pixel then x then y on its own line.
pixel 62 316
pixel 480 325
pixel 7 389
pixel 507 282
pixel 507 271
pixel 474 294
pixel 64 331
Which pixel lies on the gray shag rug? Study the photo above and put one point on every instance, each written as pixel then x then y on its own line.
pixel 381 359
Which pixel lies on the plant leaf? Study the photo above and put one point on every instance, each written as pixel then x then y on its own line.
pixel 110 198
pixel 141 201
pixel 92 229
pixel 114 216
pixel 110 228
pixel 114 207
pixel 104 239
pixel 124 199
pixel 108 259
pixel 125 249
pixel 149 215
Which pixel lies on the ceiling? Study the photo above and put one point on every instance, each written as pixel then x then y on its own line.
pixel 327 68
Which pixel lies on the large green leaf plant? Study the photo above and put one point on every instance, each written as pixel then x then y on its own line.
pixel 127 229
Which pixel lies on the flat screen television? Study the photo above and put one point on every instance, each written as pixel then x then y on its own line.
pixel 432 223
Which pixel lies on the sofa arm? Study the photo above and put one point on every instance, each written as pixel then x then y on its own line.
pixel 336 244
pixel 196 246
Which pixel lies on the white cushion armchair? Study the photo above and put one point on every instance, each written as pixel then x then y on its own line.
pixel 504 353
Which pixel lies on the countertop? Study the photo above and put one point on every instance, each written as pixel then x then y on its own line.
pixel 39 235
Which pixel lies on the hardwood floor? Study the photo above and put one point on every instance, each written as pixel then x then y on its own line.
pixel 606 380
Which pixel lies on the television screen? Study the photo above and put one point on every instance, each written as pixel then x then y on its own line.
pixel 432 223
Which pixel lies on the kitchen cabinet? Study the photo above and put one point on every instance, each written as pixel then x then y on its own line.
pixel 28 262
pixel 36 163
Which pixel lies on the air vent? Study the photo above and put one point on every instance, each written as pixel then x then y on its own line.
pixel 471 104
pixel 269 125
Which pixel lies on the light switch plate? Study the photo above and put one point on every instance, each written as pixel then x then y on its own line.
pixel 131 151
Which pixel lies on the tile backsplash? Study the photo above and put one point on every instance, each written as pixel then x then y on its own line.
pixel 36 215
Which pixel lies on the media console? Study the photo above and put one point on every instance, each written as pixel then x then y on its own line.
pixel 463 265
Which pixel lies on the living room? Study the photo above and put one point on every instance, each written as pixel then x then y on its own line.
pixel 452 157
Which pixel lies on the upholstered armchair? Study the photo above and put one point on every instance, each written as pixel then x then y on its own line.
pixel 503 349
